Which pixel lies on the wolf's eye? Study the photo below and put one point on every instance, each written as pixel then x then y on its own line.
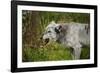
pixel 49 31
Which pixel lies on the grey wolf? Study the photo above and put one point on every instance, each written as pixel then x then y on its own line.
pixel 73 35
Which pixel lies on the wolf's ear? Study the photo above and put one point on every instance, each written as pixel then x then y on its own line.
pixel 58 29
pixel 52 22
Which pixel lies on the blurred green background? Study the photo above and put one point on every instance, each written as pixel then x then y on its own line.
pixel 33 25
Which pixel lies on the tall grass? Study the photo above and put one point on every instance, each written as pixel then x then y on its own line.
pixel 51 52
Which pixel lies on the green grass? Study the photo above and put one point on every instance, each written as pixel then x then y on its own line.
pixel 51 52
pixel 85 54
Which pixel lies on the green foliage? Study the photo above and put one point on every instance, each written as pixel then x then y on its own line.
pixel 85 54
pixel 50 52
pixel 34 23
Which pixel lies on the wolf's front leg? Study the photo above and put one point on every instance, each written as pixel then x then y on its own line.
pixel 77 53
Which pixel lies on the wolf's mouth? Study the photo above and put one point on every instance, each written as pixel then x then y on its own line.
pixel 46 41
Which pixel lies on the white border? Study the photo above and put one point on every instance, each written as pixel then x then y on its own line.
pixel 52 63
